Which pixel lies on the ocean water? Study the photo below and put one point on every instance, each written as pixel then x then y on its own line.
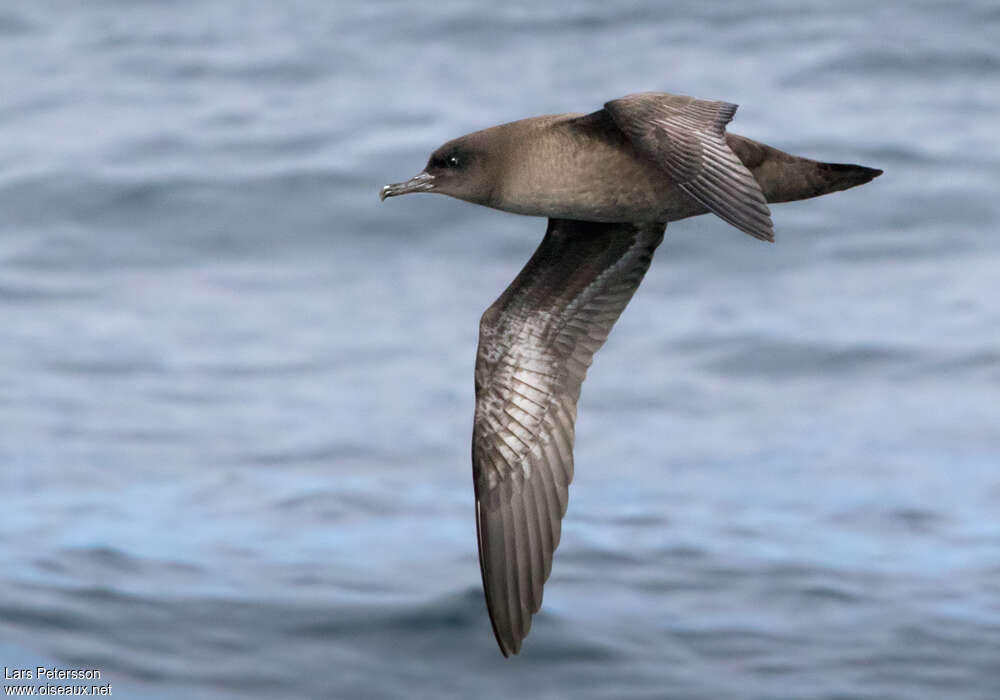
pixel 236 389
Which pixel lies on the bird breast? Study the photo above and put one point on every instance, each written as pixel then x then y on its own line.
pixel 562 176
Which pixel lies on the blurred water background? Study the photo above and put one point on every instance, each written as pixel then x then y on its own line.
pixel 236 390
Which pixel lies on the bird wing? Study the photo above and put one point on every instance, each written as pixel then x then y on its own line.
pixel 535 344
pixel 687 137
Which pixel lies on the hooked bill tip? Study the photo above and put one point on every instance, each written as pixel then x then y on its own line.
pixel 418 183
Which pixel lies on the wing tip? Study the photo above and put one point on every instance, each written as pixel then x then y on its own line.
pixel 509 644
pixel 727 110
pixel 506 650
pixel 763 234
pixel 759 226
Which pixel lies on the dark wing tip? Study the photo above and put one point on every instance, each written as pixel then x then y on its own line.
pixel 507 639
pixel 760 234
pixel 727 110
pixel 507 647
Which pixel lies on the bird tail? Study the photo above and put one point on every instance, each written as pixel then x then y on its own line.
pixel 784 178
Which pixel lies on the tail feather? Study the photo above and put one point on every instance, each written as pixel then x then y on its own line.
pixel 784 178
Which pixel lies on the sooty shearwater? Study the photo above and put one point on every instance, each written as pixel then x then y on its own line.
pixel 608 182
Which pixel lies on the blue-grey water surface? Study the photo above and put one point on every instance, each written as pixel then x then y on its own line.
pixel 236 390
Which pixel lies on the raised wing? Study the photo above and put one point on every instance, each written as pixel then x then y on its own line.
pixel 535 345
pixel 687 137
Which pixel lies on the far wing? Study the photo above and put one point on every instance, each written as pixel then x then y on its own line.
pixel 686 136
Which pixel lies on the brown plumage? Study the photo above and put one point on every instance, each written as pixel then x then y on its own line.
pixel 609 182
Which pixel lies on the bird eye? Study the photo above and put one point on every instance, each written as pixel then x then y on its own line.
pixel 452 161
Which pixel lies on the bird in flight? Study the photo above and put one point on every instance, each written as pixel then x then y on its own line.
pixel 608 182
